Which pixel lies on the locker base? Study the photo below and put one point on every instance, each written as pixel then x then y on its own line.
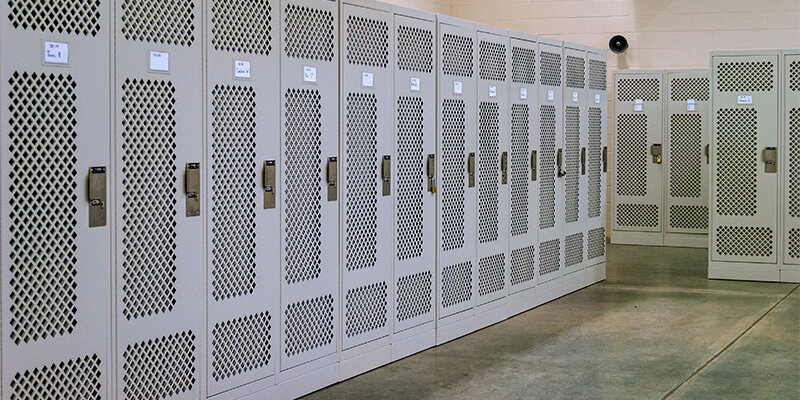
pixel 252 391
pixel 790 273
pixel 522 301
pixel 743 271
pixel 446 332
pixel 307 378
pixel 637 238
pixel 413 340
pixel 699 241
pixel 365 357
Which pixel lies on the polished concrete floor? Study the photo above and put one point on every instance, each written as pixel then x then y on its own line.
pixel 656 328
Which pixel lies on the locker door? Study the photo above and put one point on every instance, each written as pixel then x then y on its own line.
pixel 243 164
pixel 367 198
pixel 457 146
pixel 597 159
pixel 638 116
pixel 492 160
pixel 160 279
pixel 791 116
pixel 415 184
pixel 524 100
pixel 686 164
pixel 576 140
pixel 310 173
pixel 551 145
pixel 744 194
pixel 55 227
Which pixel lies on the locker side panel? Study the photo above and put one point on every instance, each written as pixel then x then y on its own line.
pixel 791 184
pixel 597 159
pixel 576 138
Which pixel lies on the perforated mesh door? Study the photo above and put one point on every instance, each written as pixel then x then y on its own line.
pixel 594 162
pixel 488 171
pixel 547 167
pixel 520 165
pixel 597 118
pixel 572 161
pixel 791 116
pixel 453 173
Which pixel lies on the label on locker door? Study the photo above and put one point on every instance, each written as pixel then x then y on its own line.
pixel 574 97
pixel 457 87
pixel 638 104
pixel 309 74
pixel 523 93
pixel 492 91
pixel 415 84
pixel 159 61
pixel 367 79
pixel 56 52
pixel 597 99
pixel 550 95
pixel 745 99
pixel 241 69
pixel 690 105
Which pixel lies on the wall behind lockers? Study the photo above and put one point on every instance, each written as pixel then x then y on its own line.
pixel 662 33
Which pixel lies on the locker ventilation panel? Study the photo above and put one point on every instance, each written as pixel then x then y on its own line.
pixel 637 215
pixel 302 185
pixel 744 241
pixel 242 26
pixel 149 197
pixel 794 163
pixel 523 265
pixel 170 22
pixel 549 257
pixel 414 295
pixel 794 76
pixel 457 55
pixel 491 274
pixel 597 75
pixel 233 186
pixel 75 379
pixel 410 177
pixel 646 89
pixel 365 309
pixel 682 89
pixel 43 194
pixel 737 161
pixel 241 345
pixel 632 153
pixel 453 173
pixel 488 171
pixel 794 243
pixel 547 167
pixel 596 247
pixel 161 367
pixel 361 214
pixel 572 163
pixel 595 158
pixel 367 42
pixel 688 217
pixel 456 284
pixel 414 49
pixel 550 64
pixel 523 65
pixel 685 155
pixel 492 60
pixel 308 325
pixel 576 72
pixel 573 249
pixel 308 33
pixel 520 164
pixel 745 76
pixel 74 17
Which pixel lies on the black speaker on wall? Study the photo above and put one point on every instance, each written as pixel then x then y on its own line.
pixel 618 44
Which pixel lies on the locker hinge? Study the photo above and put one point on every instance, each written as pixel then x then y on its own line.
pixel 269 184
pixel 504 167
pixel 471 169
pixel 386 174
pixel 560 163
pixel 583 161
pixel 431 167
pixel 770 156
pixel 332 174
pixel 605 158
pixel 97 196
pixel 655 151
pixel 191 181
pixel 533 165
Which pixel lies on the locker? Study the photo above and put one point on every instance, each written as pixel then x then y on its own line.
pixel 159 181
pixel 686 162
pixel 416 181
pixel 790 270
pixel 457 200
pixel 242 163
pixel 492 181
pixel 597 157
pixel 367 200
pixel 55 227
pixel 638 157
pixel 309 293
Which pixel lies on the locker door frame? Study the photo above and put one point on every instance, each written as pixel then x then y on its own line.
pixel 790 266
pixel 748 268
pixel 599 99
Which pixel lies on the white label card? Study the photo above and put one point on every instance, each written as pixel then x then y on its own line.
pixel 457 87
pixel 638 104
pixel 523 93
pixel 690 105
pixel 159 61
pixel 597 99
pixel 241 69
pixel 550 95
pixel 574 97
pixel 367 79
pixel 56 52
pixel 745 99
pixel 309 74
pixel 492 91
pixel 416 86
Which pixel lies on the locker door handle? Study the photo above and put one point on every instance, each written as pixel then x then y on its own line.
pixel 471 169
pixel 504 167
pixel 605 158
pixel 386 174
pixel 655 151
pixel 431 170
pixel 770 156
pixel 269 184
pixel 191 181
pixel 332 174
pixel 533 165
pixel 583 161
pixel 97 196
pixel 707 151
pixel 560 163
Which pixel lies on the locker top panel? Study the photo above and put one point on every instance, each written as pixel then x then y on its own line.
pixel 575 46
pixel 446 19
pixel 408 12
pixel 523 36
pixel 491 29
pixel 375 5
pixel 551 42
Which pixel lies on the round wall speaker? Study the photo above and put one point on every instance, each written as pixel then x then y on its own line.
pixel 618 44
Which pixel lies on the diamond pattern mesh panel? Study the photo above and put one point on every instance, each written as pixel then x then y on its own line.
pixel 414 295
pixel 685 155
pixel 632 153
pixel 523 65
pixel 75 379
pixel 169 22
pixel 361 214
pixel 523 265
pixel 637 215
pixel 594 162
pixel 365 309
pixel 74 17
pixel 547 167
pixel 367 42
pixel 550 68
pixel 597 75
pixel 453 173
pixel 160 368
pixel 308 325
pixel 646 89
pixel 688 217
pixel 794 243
pixel 308 33
pixel 457 55
pixel 520 163
pixel 794 76
pixel 794 163
pixel 242 26
pixel 596 247
pixel 488 171
pixel 737 161
pixel 745 76
pixel 410 180
pixel 456 284
pixel 682 89
pixel 549 257
pixel 572 162
pixel 491 274
pixel 414 49
pixel 576 72
pixel 240 345
pixel 573 249
pixel 492 60
pixel 744 241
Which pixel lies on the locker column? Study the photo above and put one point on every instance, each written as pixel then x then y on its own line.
pixel 597 158
pixel 790 268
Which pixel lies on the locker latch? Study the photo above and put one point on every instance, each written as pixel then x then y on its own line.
pixel 192 187
pixel 583 161
pixel 707 151
pixel 332 173
pixel 269 184
pixel 533 165
pixel 655 151
pixel 605 158
pixel 770 160
pixel 386 174
pixel 97 196
pixel 504 167
pixel 431 167
pixel 471 169
pixel 560 163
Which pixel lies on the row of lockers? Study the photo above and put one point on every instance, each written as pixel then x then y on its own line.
pixel 291 193
pixel 662 131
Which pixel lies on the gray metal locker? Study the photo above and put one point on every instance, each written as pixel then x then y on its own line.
pixel 415 182
pixel 638 154
pixel 576 141
pixel 160 280
pixel 687 129
pixel 523 174
pixel 790 268
pixel 551 161
pixel 492 170
pixel 366 148
pixel 597 157
pixel 55 228
pixel 456 208
pixel 309 199
pixel 744 149
pixel 242 165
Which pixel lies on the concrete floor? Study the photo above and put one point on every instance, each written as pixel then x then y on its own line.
pixel 656 328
